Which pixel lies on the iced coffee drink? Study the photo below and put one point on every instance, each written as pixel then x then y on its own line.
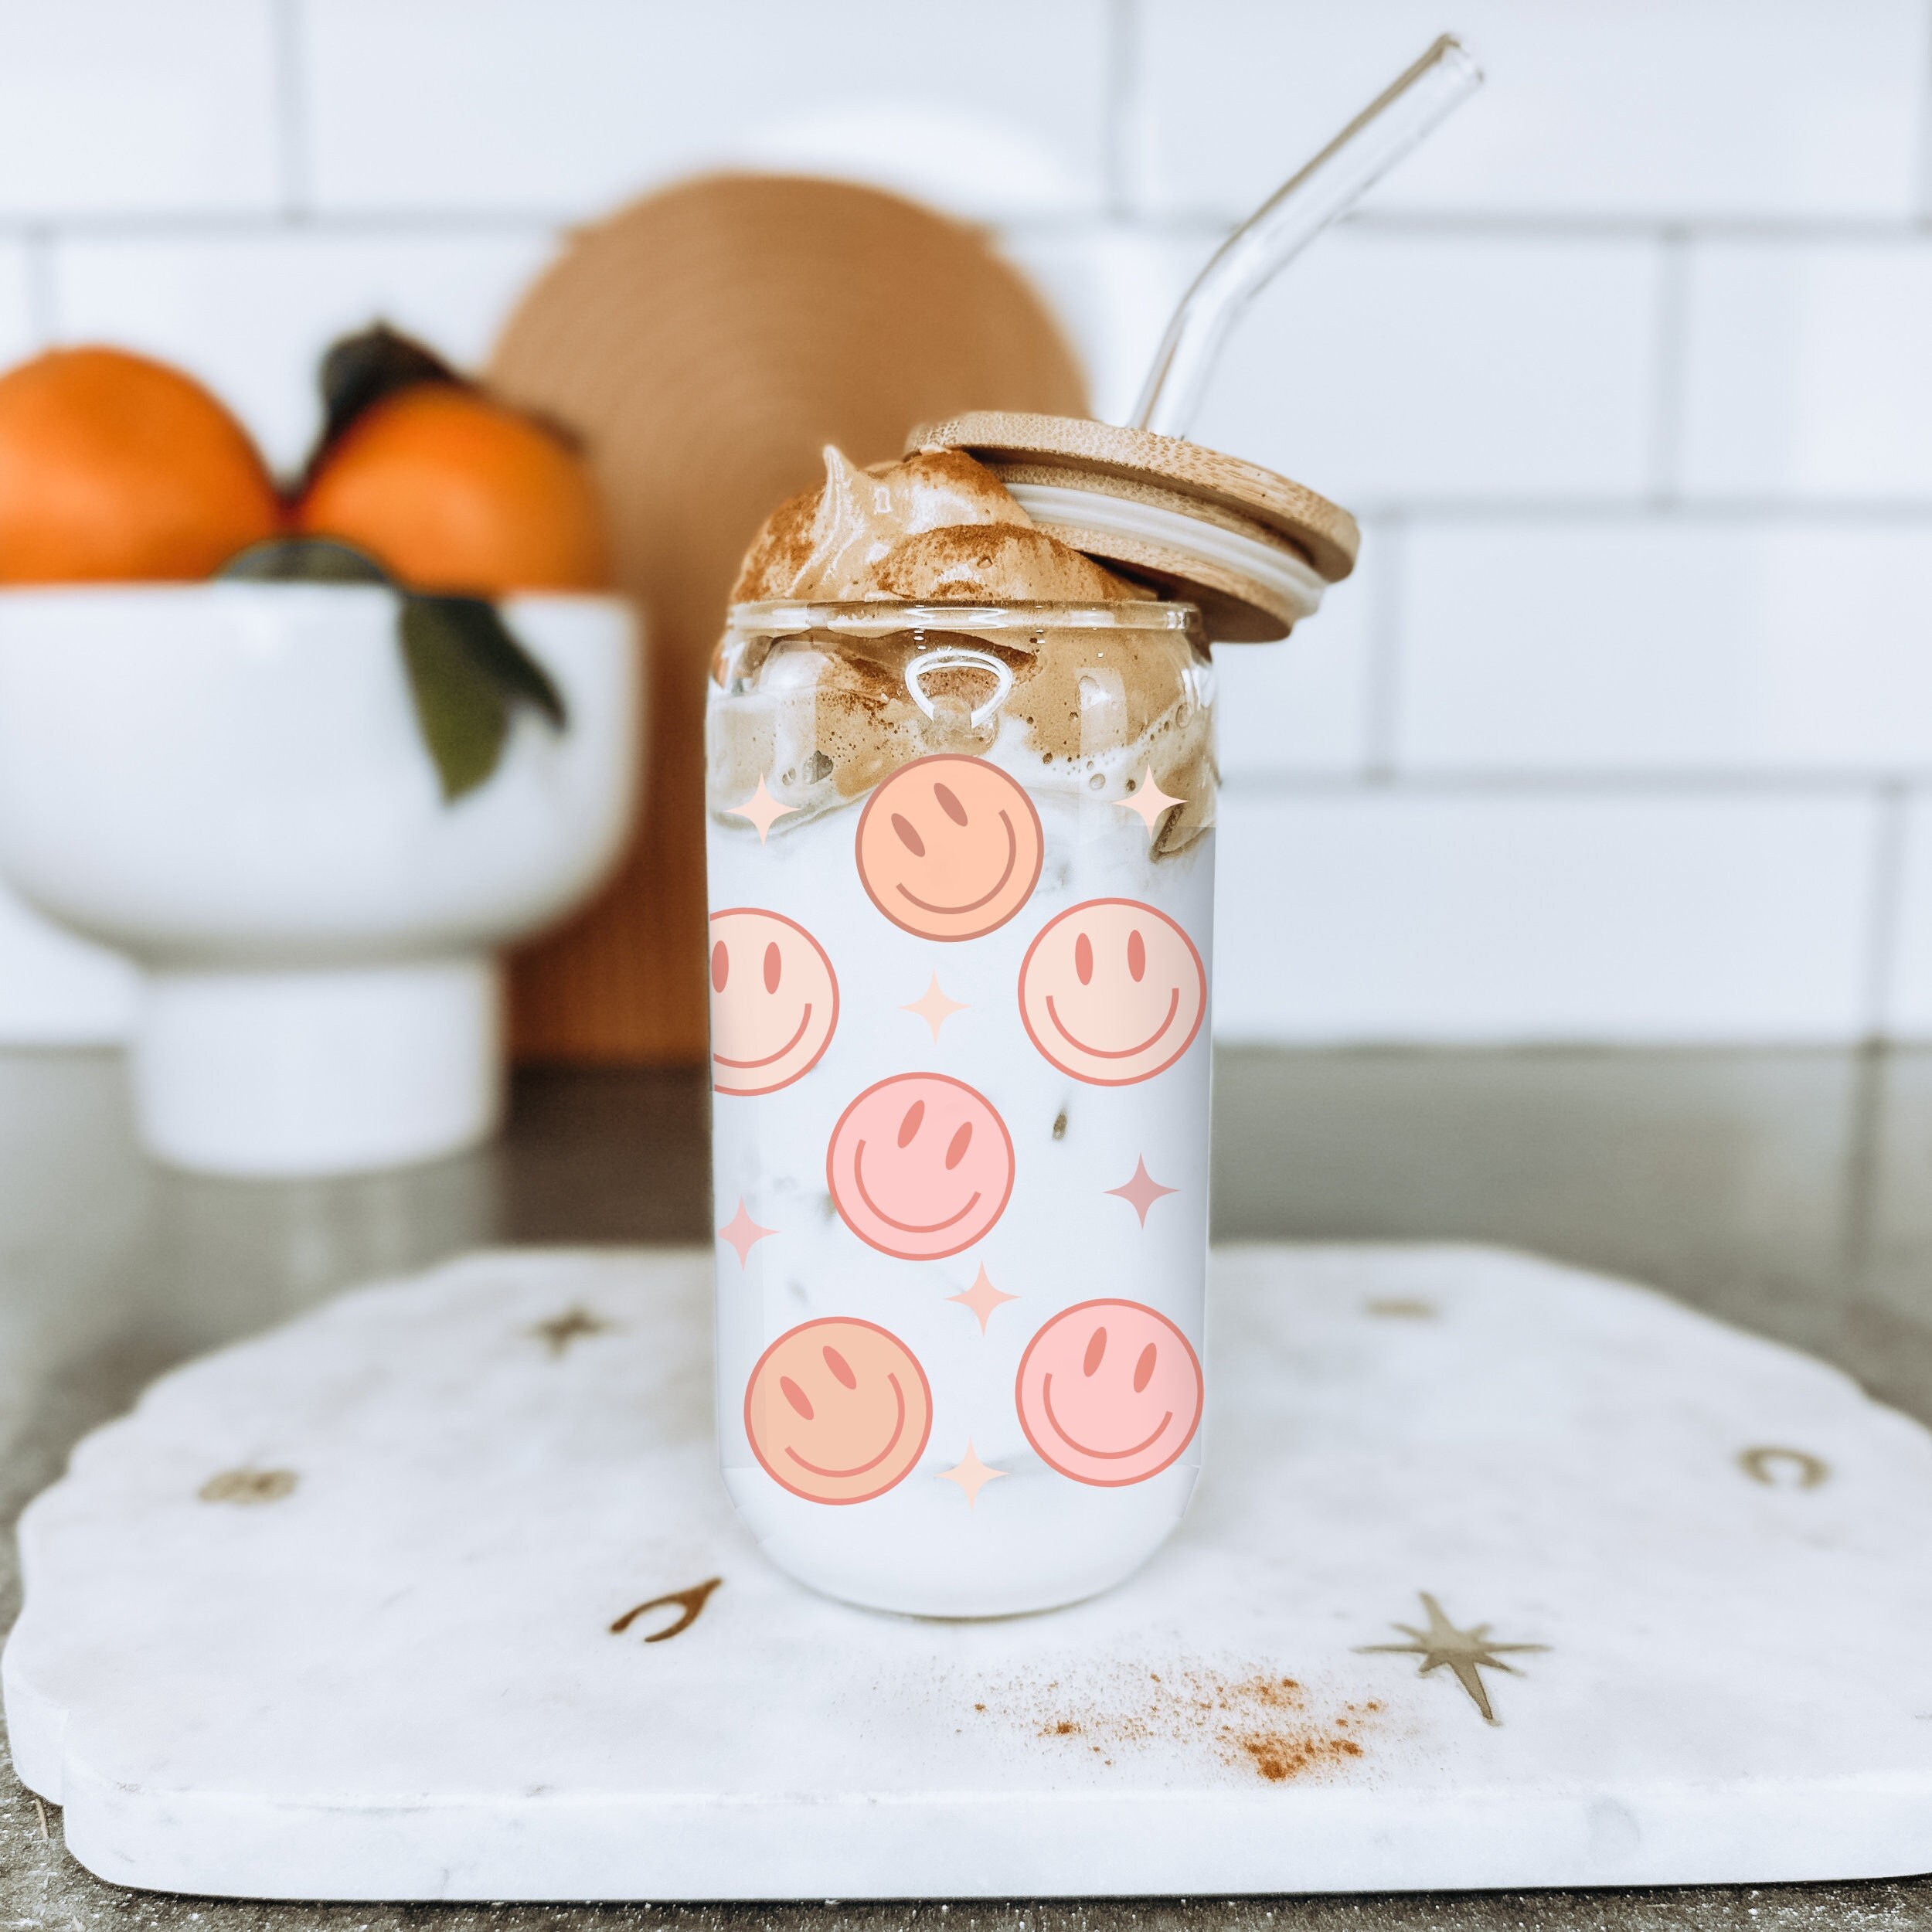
pixel 960 845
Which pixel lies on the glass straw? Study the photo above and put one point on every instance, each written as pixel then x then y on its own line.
pixel 1277 232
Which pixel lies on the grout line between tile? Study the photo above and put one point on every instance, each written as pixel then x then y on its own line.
pixel 1124 129
pixel 1581 225
pixel 1670 347
pixel 1922 199
pixel 1883 923
pixel 291 109
pixel 203 224
pixel 1903 511
pixel 1603 782
pixel 1205 226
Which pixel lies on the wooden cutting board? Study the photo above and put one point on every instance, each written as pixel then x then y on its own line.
pixel 705 342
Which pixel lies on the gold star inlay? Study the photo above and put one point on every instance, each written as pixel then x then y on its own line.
pixel 1468 1653
pixel 561 1330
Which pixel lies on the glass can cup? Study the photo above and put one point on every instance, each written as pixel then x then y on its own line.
pixel 961 867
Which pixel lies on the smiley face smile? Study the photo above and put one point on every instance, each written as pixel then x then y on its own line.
pixel 766 1059
pixel 1114 1053
pixel 850 1392
pixel 1089 991
pixel 1074 1442
pixel 1108 1393
pixel 950 847
pixel 920 1166
pixel 985 898
pixel 872 1462
pixel 774 1001
pixel 904 1227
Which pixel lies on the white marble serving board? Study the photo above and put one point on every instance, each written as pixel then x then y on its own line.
pixel 331 1616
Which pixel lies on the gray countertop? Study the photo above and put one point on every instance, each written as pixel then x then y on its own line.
pixel 1785 1191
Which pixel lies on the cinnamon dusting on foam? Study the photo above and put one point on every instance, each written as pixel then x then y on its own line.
pixel 937 526
pixel 822 716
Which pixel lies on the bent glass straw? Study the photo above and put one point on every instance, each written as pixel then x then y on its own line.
pixel 1331 184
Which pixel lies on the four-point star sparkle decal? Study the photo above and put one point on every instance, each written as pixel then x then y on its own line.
pixel 982 1297
pixel 1468 1653
pixel 743 1233
pixel 1148 800
pixel 762 809
pixel 934 1007
pixel 1142 1191
pixel 971 1474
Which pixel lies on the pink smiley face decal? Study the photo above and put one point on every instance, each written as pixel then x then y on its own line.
pixel 920 1166
pixel 1109 1393
pixel 774 1001
pixel 948 847
pixel 1112 991
pixel 838 1411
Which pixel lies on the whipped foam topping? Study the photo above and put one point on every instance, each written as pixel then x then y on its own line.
pixel 937 527
pixel 821 715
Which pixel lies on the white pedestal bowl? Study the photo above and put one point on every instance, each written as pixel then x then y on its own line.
pixel 227 781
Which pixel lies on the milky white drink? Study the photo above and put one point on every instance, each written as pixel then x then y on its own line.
pixel 961 883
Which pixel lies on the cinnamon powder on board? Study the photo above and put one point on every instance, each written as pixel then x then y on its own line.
pixel 1251 1720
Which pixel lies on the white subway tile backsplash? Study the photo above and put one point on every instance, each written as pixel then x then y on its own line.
pixel 19 326
pixel 572 105
pixel 1645 645
pixel 251 314
pixel 1649 107
pixel 1565 681
pixel 1807 372
pixel 1301 705
pixel 1908 1005
pixel 1113 287
pixel 124 106
pixel 1513 916
pixel 1384 366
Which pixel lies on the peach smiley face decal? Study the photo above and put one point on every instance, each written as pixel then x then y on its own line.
pixel 920 1166
pixel 948 847
pixel 774 1001
pixel 1112 991
pixel 838 1411
pixel 1109 1393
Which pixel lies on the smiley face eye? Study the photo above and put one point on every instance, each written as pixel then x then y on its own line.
pixel 720 967
pixel 1096 1348
pixel 908 837
pixel 910 1125
pixel 1136 954
pixel 796 1396
pixel 840 1367
pixel 956 1148
pixel 1083 959
pixel 1144 1369
pixel 950 804
pixel 775 964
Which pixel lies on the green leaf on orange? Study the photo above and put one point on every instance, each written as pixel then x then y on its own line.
pixel 302 559
pixel 462 710
pixel 493 648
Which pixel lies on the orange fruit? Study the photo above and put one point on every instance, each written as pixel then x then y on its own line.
pixel 453 491
pixel 113 466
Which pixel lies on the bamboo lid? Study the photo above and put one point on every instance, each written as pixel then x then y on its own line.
pixel 1253 549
